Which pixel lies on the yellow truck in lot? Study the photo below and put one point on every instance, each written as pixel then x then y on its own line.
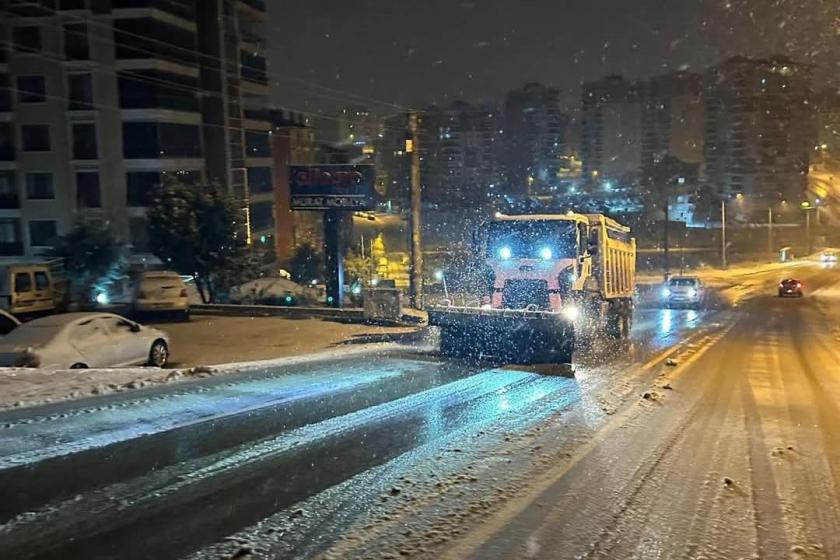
pixel 556 280
pixel 27 289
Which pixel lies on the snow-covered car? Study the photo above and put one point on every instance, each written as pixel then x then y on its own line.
pixel 161 291
pixel 271 291
pixel 84 340
pixel 683 291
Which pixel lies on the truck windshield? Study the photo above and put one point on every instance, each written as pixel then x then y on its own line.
pixel 532 239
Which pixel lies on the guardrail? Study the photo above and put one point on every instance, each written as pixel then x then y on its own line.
pixel 348 315
pixel 351 314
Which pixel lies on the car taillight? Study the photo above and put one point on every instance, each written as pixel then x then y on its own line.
pixel 184 292
pixel 799 284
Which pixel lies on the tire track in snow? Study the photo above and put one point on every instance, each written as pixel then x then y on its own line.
pixel 679 509
pixel 503 535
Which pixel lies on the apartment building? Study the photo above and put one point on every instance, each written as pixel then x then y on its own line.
pixel 760 130
pixel 101 100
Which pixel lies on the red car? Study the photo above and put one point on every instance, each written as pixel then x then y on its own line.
pixel 790 287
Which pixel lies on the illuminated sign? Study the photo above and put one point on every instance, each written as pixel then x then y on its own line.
pixel 331 187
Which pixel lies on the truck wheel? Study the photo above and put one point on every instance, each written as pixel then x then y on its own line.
pixel 618 325
pixel 614 325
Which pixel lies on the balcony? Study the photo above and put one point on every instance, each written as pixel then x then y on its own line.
pixel 258 114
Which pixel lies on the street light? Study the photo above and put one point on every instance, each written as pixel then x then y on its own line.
pixel 723 231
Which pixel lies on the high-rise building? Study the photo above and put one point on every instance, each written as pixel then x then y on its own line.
pixel 458 146
pixel 611 140
pixel 393 163
pixel 759 129
pixel 827 147
pixel 99 101
pixel 536 153
pixel 673 119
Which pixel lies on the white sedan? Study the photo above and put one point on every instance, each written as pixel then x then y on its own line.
pixel 83 340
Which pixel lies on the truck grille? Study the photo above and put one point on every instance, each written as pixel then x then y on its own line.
pixel 519 294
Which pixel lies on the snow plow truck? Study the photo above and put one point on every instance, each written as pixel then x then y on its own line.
pixel 554 281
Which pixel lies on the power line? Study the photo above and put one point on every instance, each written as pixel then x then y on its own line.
pixel 175 87
pixel 195 52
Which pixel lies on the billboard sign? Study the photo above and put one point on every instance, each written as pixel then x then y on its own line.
pixel 332 187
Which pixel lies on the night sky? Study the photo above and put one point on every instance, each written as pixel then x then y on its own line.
pixel 423 51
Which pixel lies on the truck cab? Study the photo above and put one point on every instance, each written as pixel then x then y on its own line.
pixel 535 261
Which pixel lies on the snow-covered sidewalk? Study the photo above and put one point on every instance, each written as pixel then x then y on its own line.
pixel 205 347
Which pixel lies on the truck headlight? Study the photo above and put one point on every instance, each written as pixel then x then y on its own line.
pixel 571 312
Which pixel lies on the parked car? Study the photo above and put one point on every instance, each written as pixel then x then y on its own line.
pixel 27 289
pixel 272 291
pixel 83 340
pixel 790 287
pixel 684 291
pixel 162 291
pixel 8 322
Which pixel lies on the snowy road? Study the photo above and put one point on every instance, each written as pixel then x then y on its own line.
pixel 731 452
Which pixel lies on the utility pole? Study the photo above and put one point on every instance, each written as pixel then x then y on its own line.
pixel 415 291
pixel 723 231
pixel 667 237
pixel 808 229
pixel 770 230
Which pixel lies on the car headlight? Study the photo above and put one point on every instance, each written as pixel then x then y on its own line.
pixel 666 292
pixel 571 312
pixel 692 293
pixel 546 253
pixel 505 253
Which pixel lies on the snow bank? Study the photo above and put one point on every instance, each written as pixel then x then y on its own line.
pixel 22 387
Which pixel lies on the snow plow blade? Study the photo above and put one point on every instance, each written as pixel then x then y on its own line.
pixel 517 336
